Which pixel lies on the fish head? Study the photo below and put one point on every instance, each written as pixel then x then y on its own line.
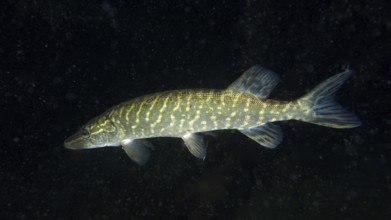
pixel 99 132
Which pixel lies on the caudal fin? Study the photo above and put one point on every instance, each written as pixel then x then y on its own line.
pixel 324 110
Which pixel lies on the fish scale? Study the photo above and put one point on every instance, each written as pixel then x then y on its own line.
pixel 159 113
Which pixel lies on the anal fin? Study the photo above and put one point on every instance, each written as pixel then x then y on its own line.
pixel 268 135
pixel 137 150
pixel 195 144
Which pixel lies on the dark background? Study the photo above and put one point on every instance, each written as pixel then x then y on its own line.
pixel 65 62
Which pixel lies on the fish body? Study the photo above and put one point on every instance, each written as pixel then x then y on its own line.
pixel 179 112
pixel 188 113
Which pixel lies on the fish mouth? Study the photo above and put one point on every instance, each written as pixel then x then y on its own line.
pixel 77 141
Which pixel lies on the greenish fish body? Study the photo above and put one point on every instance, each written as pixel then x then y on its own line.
pixel 180 112
pixel 188 113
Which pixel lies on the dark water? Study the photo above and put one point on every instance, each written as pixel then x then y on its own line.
pixel 64 62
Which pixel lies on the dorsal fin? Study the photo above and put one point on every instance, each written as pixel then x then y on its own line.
pixel 257 80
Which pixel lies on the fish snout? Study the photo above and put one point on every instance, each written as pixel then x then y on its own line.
pixel 77 141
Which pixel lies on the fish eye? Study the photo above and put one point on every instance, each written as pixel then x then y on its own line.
pixel 85 132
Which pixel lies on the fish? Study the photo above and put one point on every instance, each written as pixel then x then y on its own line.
pixel 191 113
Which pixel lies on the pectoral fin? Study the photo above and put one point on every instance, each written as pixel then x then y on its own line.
pixel 196 145
pixel 268 135
pixel 137 150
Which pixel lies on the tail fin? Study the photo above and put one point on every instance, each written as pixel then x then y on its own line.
pixel 325 110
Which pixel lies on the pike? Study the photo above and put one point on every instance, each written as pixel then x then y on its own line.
pixel 187 114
